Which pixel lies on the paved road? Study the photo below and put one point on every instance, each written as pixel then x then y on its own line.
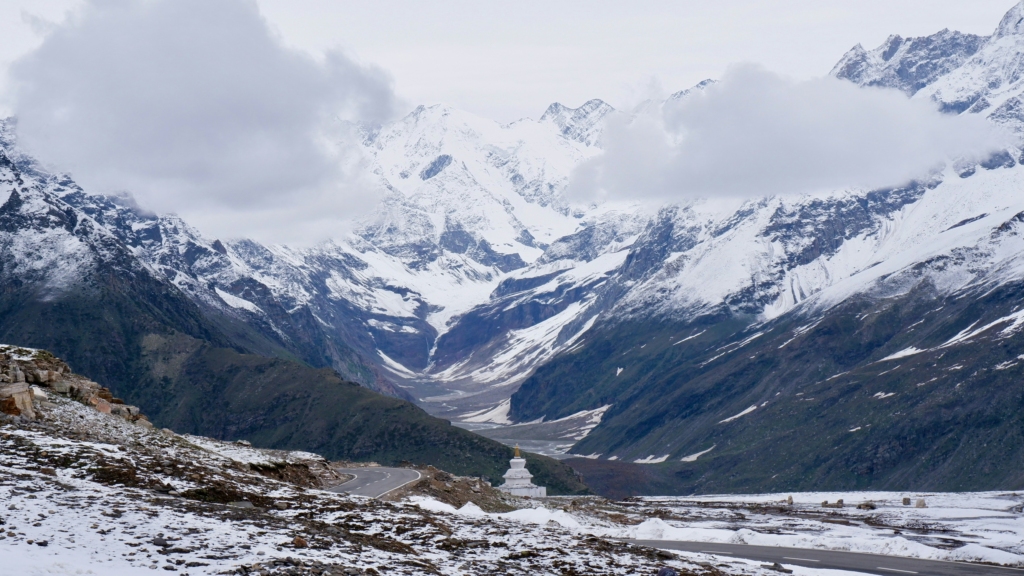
pixel 375 482
pixel 867 563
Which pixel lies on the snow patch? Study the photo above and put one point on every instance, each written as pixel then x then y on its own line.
pixel 693 457
pixel 394 366
pixel 651 459
pixel 496 415
pixel 902 354
pixel 740 415
pixel 236 302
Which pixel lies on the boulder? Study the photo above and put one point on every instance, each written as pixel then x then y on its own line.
pixel 16 400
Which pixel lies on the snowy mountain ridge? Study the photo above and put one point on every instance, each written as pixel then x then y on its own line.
pixel 474 270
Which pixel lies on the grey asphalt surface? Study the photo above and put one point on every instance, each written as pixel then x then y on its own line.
pixel 376 481
pixel 832 559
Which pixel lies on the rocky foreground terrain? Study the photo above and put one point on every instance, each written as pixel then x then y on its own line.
pixel 86 490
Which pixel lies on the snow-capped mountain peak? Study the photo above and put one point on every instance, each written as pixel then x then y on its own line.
pixel 1012 23
pixel 908 64
pixel 581 124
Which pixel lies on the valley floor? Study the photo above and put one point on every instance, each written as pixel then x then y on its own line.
pixel 967 527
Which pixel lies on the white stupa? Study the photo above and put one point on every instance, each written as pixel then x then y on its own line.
pixel 517 479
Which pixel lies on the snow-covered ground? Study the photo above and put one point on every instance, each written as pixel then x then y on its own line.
pixel 90 493
pixel 970 527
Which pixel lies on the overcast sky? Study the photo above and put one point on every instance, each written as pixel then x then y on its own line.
pixel 509 60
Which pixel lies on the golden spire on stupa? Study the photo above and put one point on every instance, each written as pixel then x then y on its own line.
pixel 517 452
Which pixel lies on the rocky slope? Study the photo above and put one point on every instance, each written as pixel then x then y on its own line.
pixel 131 498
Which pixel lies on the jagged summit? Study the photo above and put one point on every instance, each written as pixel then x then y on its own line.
pixel 961 73
pixel 699 87
pixel 908 64
pixel 579 124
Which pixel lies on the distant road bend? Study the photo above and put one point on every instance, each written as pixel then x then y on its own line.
pixel 375 482
pixel 837 560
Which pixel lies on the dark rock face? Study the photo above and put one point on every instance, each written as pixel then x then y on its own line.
pixel 583 246
pixel 435 167
pixel 457 240
pixel 831 223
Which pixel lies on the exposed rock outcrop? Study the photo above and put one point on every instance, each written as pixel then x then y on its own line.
pixel 27 375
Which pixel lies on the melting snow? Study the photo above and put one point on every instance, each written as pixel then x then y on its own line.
pixel 236 302
pixel 741 414
pixel 497 415
pixel 651 459
pixel 902 354
pixel 394 366
pixel 693 457
pixel 690 337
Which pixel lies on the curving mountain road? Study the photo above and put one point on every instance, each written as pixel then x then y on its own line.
pixel 376 481
pixel 836 560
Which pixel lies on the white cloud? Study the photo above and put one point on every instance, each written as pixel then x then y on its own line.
pixel 197 107
pixel 756 133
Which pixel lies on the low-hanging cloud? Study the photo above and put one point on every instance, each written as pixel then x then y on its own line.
pixel 197 107
pixel 755 133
